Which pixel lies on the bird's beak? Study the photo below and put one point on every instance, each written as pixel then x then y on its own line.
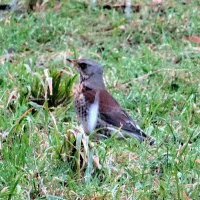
pixel 73 61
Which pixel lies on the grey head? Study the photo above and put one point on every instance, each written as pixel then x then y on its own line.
pixel 91 72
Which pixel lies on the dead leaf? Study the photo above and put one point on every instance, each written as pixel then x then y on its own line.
pixel 96 162
pixel 12 96
pixel 197 161
pixel 157 2
pixel 50 83
pixel 58 6
pixel 185 196
pixel 194 38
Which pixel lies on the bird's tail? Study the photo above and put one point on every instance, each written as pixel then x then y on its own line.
pixel 135 132
pixel 141 136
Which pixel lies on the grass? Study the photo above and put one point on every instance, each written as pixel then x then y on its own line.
pixel 150 66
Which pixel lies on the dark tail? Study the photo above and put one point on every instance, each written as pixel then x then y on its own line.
pixel 141 136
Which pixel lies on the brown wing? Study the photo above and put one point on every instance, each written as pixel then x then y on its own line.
pixel 112 113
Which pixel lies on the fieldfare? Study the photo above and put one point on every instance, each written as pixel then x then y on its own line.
pixel 96 109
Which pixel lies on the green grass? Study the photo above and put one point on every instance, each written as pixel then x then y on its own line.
pixel 150 67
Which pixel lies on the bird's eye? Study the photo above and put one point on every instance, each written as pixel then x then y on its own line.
pixel 83 66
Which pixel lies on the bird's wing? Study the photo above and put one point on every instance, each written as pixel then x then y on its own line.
pixel 111 112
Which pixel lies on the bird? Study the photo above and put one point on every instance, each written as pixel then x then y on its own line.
pixel 97 110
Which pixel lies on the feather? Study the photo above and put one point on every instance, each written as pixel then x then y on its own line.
pixel 111 113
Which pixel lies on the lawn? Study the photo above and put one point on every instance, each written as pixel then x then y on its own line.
pixel 151 62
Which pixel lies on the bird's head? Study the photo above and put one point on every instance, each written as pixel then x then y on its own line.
pixel 91 72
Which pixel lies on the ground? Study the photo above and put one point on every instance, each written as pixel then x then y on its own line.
pixel 151 66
